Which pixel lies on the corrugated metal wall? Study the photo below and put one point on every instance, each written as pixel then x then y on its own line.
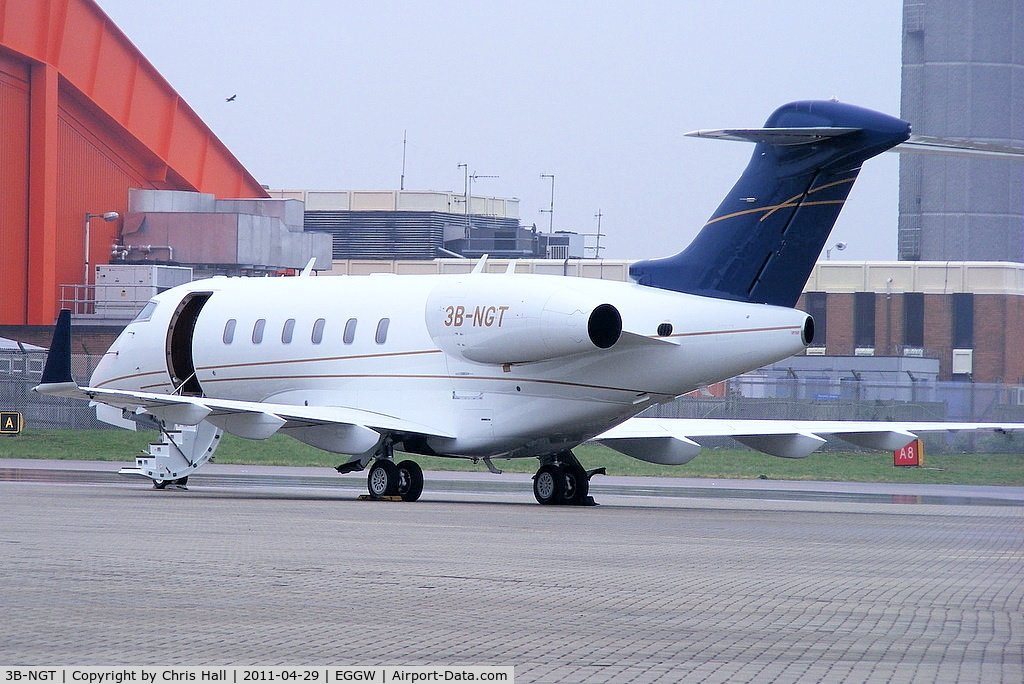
pixel 83 117
pixel 94 176
pixel 13 189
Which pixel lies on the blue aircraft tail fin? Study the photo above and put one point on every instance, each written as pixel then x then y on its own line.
pixel 58 360
pixel 762 242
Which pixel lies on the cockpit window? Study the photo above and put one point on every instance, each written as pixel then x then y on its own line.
pixel 146 313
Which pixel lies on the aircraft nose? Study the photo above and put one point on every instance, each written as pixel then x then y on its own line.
pixel 103 371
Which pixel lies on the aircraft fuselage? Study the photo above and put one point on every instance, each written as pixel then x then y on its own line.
pixel 509 365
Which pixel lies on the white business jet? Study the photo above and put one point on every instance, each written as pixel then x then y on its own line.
pixel 492 366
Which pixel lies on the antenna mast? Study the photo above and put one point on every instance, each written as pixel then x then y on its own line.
pixel 405 140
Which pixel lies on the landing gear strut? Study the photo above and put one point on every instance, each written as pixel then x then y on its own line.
pixel 561 480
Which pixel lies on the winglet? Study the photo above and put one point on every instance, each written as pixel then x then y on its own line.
pixel 58 360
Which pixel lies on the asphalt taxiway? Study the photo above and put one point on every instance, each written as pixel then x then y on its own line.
pixel 668 579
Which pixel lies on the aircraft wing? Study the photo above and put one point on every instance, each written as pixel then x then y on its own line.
pixel 673 441
pixel 356 429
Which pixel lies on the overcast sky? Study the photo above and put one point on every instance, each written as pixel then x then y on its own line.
pixel 597 93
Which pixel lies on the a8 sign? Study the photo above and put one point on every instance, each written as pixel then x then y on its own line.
pixel 910 455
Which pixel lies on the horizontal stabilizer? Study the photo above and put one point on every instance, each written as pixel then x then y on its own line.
pixel 775 136
pixel 926 144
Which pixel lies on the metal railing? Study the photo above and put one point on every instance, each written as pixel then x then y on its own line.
pixel 105 302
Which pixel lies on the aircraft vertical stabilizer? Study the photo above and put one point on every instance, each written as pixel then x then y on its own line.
pixel 762 242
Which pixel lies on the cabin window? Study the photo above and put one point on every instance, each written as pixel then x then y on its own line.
pixel 349 335
pixel 318 331
pixel 257 331
pixel 287 330
pixel 229 331
pixel 382 331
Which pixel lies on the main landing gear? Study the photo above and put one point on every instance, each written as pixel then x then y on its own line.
pixel 561 480
pixel 386 478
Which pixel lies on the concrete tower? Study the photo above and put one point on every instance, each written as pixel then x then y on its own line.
pixel 963 77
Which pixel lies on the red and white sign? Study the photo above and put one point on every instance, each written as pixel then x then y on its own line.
pixel 910 455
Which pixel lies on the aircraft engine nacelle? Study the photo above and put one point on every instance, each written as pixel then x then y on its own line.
pixel 500 319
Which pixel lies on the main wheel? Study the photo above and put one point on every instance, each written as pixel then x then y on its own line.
pixel 383 478
pixel 549 485
pixel 410 480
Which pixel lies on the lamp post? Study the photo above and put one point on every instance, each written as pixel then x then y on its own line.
pixel 465 199
pixel 550 211
pixel 106 216
pixel 839 247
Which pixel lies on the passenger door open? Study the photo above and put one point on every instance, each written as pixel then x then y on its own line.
pixel 180 334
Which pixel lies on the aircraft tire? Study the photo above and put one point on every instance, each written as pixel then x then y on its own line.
pixel 577 485
pixel 410 480
pixel 549 485
pixel 383 478
pixel 160 484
